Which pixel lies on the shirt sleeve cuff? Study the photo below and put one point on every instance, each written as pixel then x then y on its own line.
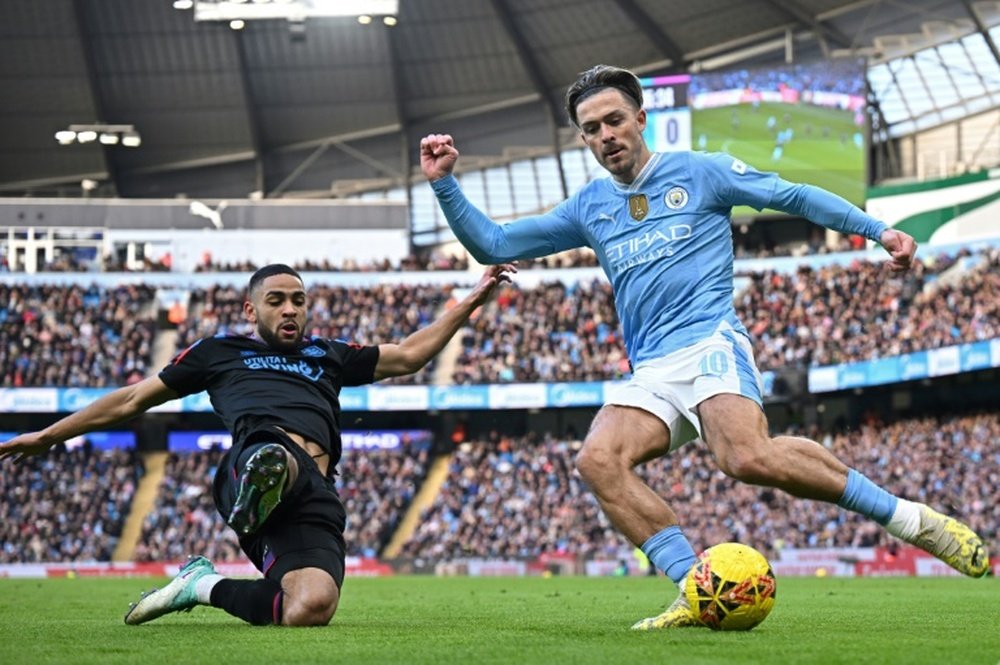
pixel 444 185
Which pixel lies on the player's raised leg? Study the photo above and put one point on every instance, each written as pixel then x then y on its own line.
pixel 264 473
pixel 621 438
pixel 735 430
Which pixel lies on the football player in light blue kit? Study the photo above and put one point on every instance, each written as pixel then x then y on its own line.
pixel 660 226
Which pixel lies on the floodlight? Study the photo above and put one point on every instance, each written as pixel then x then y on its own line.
pixel 231 10
pixel 131 140
pixel 107 135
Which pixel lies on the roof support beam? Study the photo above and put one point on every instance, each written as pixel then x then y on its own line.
pixel 824 33
pixel 253 117
pixel 983 30
pixel 649 27
pixel 93 84
pixel 533 69
pixel 367 159
pixel 405 147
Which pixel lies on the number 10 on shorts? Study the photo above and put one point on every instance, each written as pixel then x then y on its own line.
pixel 715 363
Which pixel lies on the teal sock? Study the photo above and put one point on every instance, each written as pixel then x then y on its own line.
pixel 863 496
pixel 670 551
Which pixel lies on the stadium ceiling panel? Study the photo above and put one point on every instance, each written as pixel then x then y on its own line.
pixel 286 106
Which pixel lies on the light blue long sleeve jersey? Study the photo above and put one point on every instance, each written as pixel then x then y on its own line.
pixel 665 241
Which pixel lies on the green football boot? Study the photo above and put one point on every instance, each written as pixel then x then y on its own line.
pixel 178 596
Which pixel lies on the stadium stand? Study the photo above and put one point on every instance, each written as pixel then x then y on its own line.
pixel 376 488
pixel 74 335
pixel 66 506
pixel 510 497
pixel 77 336
pixel 554 332
pixel 815 317
pixel 504 497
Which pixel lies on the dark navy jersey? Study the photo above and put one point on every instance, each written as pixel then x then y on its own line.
pixel 254 386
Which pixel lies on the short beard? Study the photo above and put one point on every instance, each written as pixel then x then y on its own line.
pixel 272 340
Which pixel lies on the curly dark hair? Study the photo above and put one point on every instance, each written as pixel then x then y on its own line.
pixel 598 78
pixel 268 271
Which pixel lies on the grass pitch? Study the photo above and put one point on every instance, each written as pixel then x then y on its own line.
pixel 504 620
pixel 822 151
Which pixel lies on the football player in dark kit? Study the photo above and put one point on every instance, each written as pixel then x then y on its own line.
pixel 277 392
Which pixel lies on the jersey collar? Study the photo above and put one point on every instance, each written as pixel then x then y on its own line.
pixel 643 176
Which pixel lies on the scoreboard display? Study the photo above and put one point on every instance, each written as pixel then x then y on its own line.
pixel 669 118
pixel 805 121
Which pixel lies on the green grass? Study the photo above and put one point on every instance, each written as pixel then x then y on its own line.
pixel 525 620
pixel 811 157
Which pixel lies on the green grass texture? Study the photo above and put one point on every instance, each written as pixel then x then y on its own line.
pixel 514 620
pixel 822 151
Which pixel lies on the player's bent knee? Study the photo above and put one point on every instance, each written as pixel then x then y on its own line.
pixel 595 462
pixel 749 464
pixel 309 610
pixel 748 461
pixel 310 597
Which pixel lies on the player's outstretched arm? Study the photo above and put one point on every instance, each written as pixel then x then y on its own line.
pixel 489 242
pixel 834 212
pixel 417 350
pixel 114 407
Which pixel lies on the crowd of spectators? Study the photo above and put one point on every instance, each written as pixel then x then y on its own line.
pixel 90 336
pixel 67 505
pixel 508 497
pixel 844 76
pixel 184 521
pixel 74 336
pixel 553 332
pixel 858 312
pixel 814 245
pixel 433 261
pixel 411 263
pixel 504 497
pixel 375 486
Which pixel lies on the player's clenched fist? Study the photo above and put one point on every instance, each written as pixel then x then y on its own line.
pixel 437 155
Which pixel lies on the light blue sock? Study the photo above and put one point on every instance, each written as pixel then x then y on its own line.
pixel 670 551
pixel 863 496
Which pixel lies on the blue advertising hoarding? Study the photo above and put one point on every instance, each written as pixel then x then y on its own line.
pixel 395 439
pixel 907 367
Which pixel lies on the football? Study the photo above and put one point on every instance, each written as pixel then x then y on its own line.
pixel 731 587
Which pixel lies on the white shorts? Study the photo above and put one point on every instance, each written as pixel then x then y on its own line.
pixel 673 386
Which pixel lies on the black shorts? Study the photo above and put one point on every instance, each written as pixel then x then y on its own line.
pixel 306 530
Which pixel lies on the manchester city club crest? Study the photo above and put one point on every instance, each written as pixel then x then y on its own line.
pixel 676 198
pixel 638 206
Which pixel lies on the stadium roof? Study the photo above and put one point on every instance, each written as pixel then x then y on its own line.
pixel 283 106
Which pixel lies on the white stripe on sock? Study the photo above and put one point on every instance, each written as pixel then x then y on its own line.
pixel 905 521
pixel 203 587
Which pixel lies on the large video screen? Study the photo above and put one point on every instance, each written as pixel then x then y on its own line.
pixel 805 121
